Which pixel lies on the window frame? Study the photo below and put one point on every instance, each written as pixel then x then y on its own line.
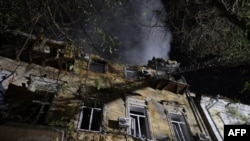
pixel 137 103
pixel 39 107
pixel 95 65
pixel 131 70
pixel 185 135
pixel 44 84
pixel 90 119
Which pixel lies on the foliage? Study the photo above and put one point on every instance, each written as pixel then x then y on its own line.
pixel 246 87
pixel 98 84
pixel 71 128
pixel 108 42
pixel 75 21
pixel 69 125
pixel 211 28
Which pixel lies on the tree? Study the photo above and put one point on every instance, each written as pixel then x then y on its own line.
pixel 74 22
pixel 213 29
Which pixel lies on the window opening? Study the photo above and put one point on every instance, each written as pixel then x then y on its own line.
pixel 90 119
pixel 139 122
pixel 97 66
pixel 180 127
pixel 40 106
pixel 31 107
pixel 131 73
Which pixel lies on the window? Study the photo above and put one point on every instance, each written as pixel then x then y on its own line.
pixel 38 109
pixel 180 127
pixel 43 84
pixel 44 90
pixel 97 66
pixel 90 119
pixel 31 107
pixel 131 73
pixel 139 122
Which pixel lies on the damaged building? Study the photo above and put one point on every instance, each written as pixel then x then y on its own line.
pixel 84 97
pixel 95 102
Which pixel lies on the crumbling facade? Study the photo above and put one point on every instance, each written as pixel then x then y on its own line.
pixel 97 102
pixel 219 111
pixel 50 90
pixel 54 92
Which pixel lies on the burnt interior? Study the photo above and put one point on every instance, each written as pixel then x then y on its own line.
pixel 27 106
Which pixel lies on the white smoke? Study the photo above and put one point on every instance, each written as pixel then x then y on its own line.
pixel 140 27
pixel 153 34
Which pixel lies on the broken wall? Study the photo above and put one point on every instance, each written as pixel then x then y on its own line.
pixel 77 89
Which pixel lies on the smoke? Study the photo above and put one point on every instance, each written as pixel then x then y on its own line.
pixel 153 36
pixel 139 26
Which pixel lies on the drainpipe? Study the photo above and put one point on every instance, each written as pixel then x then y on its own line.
pixel 197 114
pixel 209 107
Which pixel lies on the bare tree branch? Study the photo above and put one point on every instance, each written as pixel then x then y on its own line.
pixel 56 25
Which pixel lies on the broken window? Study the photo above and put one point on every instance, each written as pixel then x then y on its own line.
pixel 36 112
pixel 180 127
pixel 45 90
pixel 34 103
pixel 90 119
pixel 97 66
pixel 31 107
pixel 131 73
